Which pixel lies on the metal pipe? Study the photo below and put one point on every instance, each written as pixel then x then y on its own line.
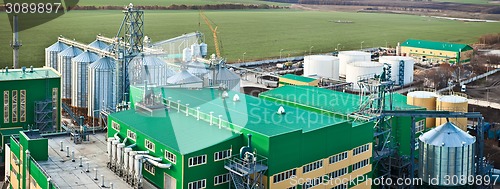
pixel 117 137
pixel 67 151
pixel 73 156
pixel 113 151
pixel 126 152
pixel 95 177
pixel 158 164
pixel 102 181
pixel 110 139
pixel 119 153
pixel 111 185
pixel 88 168
pixel 62 147
pixel 187 109
pixel 81 162
pixel 131 146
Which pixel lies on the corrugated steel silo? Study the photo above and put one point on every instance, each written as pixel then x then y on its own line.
pixel 79 78
pixel 64 65
pixel 99 44
pixel 446 153
pixel 198 69
pixel 150 68
pixel 101 89
pixel 184 79
pixel 226 77
pixel 51 54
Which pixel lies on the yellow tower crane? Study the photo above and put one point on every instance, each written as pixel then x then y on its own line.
pixel 214 32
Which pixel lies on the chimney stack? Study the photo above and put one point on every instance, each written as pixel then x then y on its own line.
pixel 15 42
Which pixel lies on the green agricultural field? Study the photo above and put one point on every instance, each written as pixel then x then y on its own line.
pixel 259 33
pixel 170 2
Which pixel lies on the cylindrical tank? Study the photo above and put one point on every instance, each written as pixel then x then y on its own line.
pixel 362 70
pixel 99 44
pixel 453 103
pixel 203 50
pixel 347 57
pixel 400 65
pixel 226 77
pixel 150 68
pixel 424 99
pixel 446 153
pixel 321 65
pixel 51 54
pixel 101 90
pixel 198 69
pixel 195 50
pixel 186 55
pixel 64 65
pixel 79 78
pixel 184 79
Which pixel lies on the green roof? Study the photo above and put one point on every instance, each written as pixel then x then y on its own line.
pixel 298 78
pixel 38 73
pixel 444 46
pixel 325 99
pixel 175 130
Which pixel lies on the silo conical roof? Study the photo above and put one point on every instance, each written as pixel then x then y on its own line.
pixel 57 47
pixel 447 135
pixel 183 77
pixel 70 51
pixel 86 57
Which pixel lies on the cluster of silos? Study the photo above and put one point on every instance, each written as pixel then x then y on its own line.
pixel 433 101
pixel 101 89
pixel 401 68
pixel 198 69
pixel 322 66
pixel 194 51
pixel 225 77
pixel 446 156
pixel 184 79
pixel 51 54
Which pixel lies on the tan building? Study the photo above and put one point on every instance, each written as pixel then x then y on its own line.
pixel 436 52
pixel 292 79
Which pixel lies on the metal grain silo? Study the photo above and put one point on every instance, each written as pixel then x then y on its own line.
pixel 426 99
pixel 51 54
pixel 150 68
pixel 362 70
pixel 321 65
pixel 99 44
pixel 64 65
pixel 446 152
pixel 101 89
pixel 79 78
pixel 347 57
pixel 203 50
pixel 198 69
pixel 401 68
pixel 453 103
pixel 184 79
pixel 224 76
pixel 195 50
pixel 186 55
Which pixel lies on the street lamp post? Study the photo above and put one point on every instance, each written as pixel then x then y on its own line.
pixel 310 50
pixel 362 44
pixel 338 47
pixel 244 56
pixel 280 52
pixel 386 44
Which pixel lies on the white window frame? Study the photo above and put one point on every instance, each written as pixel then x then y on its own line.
pixel 312 166
pixel 194 161
pixel 341 186
pixel 361 149
pixel 313 182
pixel 221 179
pixel 420 126
pixel 170 156
pixel 131 135
pixel 115 125
pixel 22 111
pixel 149 145
pixel 14 106
pixel 150 168
pixel 280 177
pixel 338 157
pixel 6 106
pixel 338 173
pixel 222 155
pixel 360 164
pixel 199 184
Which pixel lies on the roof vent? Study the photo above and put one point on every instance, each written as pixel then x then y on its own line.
pixel 31 69
pixel 225 94
pixel 23 69
pixel 281 110
pixel 6 69
pixel 236 98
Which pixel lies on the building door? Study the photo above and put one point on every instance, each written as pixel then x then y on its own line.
pixel 168 182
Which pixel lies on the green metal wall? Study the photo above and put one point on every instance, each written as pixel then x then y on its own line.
pixel 36 90
pixel 402 134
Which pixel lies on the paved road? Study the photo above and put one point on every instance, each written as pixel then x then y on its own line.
pixel 484 103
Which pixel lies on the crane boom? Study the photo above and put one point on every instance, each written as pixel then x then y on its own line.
pixel 214 32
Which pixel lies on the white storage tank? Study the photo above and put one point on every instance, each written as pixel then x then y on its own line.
pixel 400 65
pixel 362 70
pixel 101 89
pixel 150 68
pixel 64 65
pixel 453 103
pixel 446 152
pixel 79 78
pixel 198 69
pixel 203 50
pixel 195 50
pixel 51 54
pixel 186 55
pixel 321 65
pixel 347 57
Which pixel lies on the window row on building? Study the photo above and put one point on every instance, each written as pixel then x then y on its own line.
pixel 284 175
pixel 361 164
pixel 312 166
pixel 338 157
pixel 313 182
pixel 360 149
pixel 338 173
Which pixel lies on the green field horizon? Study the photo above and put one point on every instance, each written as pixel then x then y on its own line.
pixel 259 33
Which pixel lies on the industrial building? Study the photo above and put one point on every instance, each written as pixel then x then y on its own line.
pixel 292 79
pixel 436 52
pixel 31 100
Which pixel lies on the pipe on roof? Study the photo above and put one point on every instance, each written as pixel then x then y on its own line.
pixel 158 164
pixel 117 137
pixel 131 146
